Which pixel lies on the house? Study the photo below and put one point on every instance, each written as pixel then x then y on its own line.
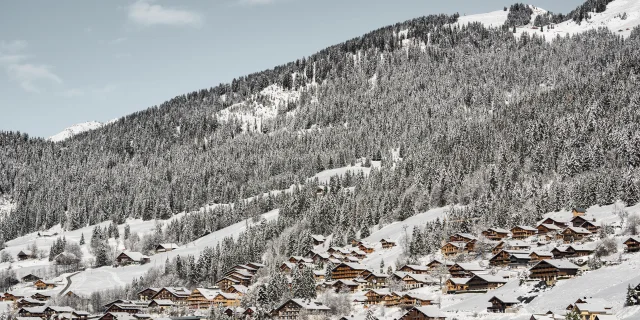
pixel 590 310
pixel 495 233
pixel 239 289
pixel 498 247
pixel 455 285
pixel 8 296
pixel 578 211
pixel 558 222
pixel 548 229
pixel 320 257
pixel 178 295
pixel 424 313
pixel 523 232
pixel 562 251
pixel 582 250
pixel 553 269
pixel 633 244
pixel 537 255
pixel 415 269
pixel 518 245
pixel 464 237
pixel 519 259
pixel 585 222
pixel 161 304
pixel 225 299
pixel 376 280
pixel 454 248
pixel 502 258
pixel 415 299
pixel 300 259
pixel 358 254
pixel 54 310
pixel 125 308
pixel 502 304
pixel 464 270
pixel 30 278
pixel 345 286
pixel 127 258
pixel 25 254
pixel 482 282
pixel 317 239
pixel 41 297
pixel 44 285
pixel 29 303
pixel 227 282
pixel 318 275
pixel 376 296
pixel 437 264
pixel 147 293
pixel 387 243
pixel 412 281
pixel 248 313
pixel 287 267
pixel 292 308
pixel 366 248
pixel 347 270
pixel 571 234
pixel 128 303
pixel 32 312
pixel 201 298
pixel 166 247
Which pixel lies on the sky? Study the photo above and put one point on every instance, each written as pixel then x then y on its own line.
pixel 66 62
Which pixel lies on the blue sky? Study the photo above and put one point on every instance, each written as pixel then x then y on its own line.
pixel 65 62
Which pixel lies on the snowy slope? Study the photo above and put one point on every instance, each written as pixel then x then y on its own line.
pixel 75 129
pixel 489 19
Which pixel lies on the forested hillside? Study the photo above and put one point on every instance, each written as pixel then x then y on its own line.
pixel 510 127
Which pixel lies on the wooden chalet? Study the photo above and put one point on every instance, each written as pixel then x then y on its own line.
pixel 591 310
pixel 128 258
pixel 518 245
pixel 495 233
pixel 376 280
pixel 345 286
pixel 29 303
pixel 227 282
pixel 424 313
pixel 469 239
pixel 436 264
pixel 585 222
pixel 455 285
pixel 413 281
pixel 581 250
pixel 484 282
pixel 139 304
pixel 44 285
pixel 287 267
pixel 148 293
pixel 562 251
pixel 571 234
pixel 502 258
pixel 201 298
pixel 292 308
pixel 523 232
pixel 225 299
pixel 357 253
pixel 166 247
pixel 30 278
pixel 161 304
pixel 558 222
pixel 320 257
pixel 387 243
pixel 454 248
pixel 8 296
pixel 25 254
pixel 537 255
pixel 633 244
pixel 366 248
pixel 518 259
pixel 50 311
pixel 415 269
pixel 549 229
pixel 40 297
pixel 125 308
pixel 376 296
pixel 318 239
pixel 411 299
pixel 577 211
pixel 347 270
pixel 502 304
pixel 553 269
pixel 465 270
pixel 32 312
pixel 319 275
pixel 300 259
pixel 178 295
pixel 498 247
pixel 255 265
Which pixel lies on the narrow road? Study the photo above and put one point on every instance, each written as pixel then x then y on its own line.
pixel 68 284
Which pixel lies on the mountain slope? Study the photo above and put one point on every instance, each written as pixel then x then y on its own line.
pixel 75 129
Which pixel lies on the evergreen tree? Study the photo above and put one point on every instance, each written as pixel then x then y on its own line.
pixel 82 239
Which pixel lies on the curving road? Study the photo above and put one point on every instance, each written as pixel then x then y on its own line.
pixel 68 284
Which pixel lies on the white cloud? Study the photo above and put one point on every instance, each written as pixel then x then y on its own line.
pixel 118 40
pixel 28 74
pixel 13 46
pixel 73 92
pixel 147 14
pixel 9 59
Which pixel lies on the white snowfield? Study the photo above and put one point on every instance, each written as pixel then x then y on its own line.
pixel 611 18
pixel 75 129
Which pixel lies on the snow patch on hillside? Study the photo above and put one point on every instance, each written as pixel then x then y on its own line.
pixel 78 128
pixel 489 19
pixel 6 206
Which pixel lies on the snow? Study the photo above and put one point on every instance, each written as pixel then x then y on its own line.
pixel 78 128
pixel 324 176
pixel 489 19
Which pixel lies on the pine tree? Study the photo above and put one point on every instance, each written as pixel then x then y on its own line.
pixel 82 239
pixel 572 315
pixel 631 296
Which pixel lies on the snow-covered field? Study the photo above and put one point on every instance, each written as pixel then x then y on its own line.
pixel 78 128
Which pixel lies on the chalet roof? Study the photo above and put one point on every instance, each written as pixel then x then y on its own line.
pixel 240 288
pixel 498 230
pixel 591 307
pixel 135 256
pixel 228 296
pixel 323 255
pixel 541 253
pixel 562 248
pixel 31 300
pixel 380 292
pixel 348 283
pixel 28 318
pixel 152 289
pixel 420 277
pixel 527 228
pixel 400 274
pixel 307 304
pixel 39 309
pixel 419 296
pixel 579 209
pixel 560 219
pixel 120 315
pixel 81 313
pixel 317 237
pixel 633 238
pixel 256 265
pixel 506 299
pixel 334 261
pixel 162 302
pixel 518 243
pixel 178 291
pixel 358 251
pixel 366 245
pixel 208 293
pixel 560 264
pixel 458 244
pixel 606 317
pixel 416 267
pixel 490 278
pixel 459 280
pixel 430 312
pixel 354 266
pixel 471 266
pixel 168 246
pixel 445 263
pixel 297 258
pixel 288 264
pixel 387 240
pixel 579 230
pixel 583 247
pixel 551 226
pixel 377 275
pixel 25 253
pixel 521 256
pixel 58 309
pixel 466 236
pixel 31 275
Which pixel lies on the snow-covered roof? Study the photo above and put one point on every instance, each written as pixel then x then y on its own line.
pixel 522 256
pixel 518 243
pixel 466 236
pixel 470 266
pixel 317 237
pixel 168 246
pixel 416 267
pixel 560 264
pixel 579 230
pixel 228 296
pixel 309 304
pixel 499 230
pixel 527 228
pixel 541 253
pixel 208 293
pixel 430 312
pixel 633 238
pixel 135 256
pixel 551 226
pixel 178 291
pixel 459 280
pixel 39 309
pixel 491 279
pixel 591 307
pixel 240 288
pixel 506 298
pixel 458 244
pixel 58 309
pixel 582 247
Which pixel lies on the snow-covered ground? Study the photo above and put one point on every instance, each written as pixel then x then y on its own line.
pixel 75 129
